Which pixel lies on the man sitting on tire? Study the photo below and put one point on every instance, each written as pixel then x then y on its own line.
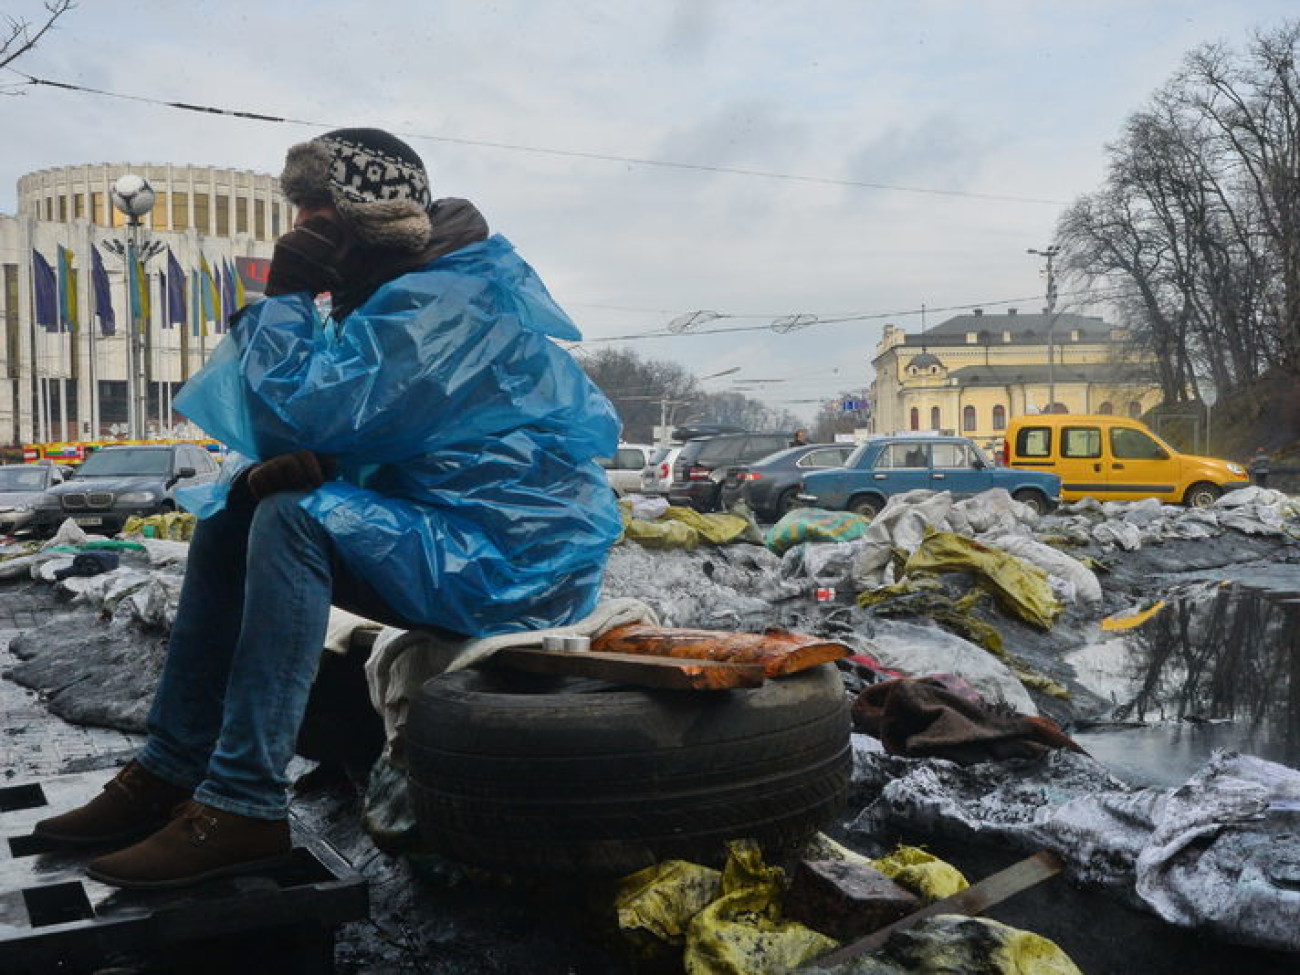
pixel 425 456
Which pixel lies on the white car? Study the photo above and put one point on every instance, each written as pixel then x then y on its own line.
pixel 657 474
pixel 625 467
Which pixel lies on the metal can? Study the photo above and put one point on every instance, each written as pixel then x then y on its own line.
pixel 824 594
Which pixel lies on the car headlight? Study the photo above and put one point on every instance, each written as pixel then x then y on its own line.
pixel 138 497
pixel 1236 469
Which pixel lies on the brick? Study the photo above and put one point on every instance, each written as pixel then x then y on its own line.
pixel 845 900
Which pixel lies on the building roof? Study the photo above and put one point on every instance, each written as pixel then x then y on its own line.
pixel 924 361
pixel 1100 373
pixel 1025 329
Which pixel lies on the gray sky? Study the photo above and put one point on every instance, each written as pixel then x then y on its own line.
pixel 998 111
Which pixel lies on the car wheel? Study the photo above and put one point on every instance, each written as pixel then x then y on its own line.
pixel 1201 495
pixel 785 503
pixel 531 774
pixel 1035 499
pixel 867 505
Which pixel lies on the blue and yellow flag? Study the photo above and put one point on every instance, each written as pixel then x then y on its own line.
pixel 141 306
pixel 67 291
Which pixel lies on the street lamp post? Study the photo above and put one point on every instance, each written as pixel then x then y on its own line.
pixel 1049 255
pixel 133 197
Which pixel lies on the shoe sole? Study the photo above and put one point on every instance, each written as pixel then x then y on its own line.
pixel 230 870
pixel 130 836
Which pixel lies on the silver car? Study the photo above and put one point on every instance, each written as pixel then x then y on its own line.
pixel 20 486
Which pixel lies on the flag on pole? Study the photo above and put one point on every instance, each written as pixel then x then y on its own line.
pixel 228 288
pixel 141 306
pixel 211 300
pixel 175 292
pixel 46 287
pixel 198 324
pixel 103 297
pixel 68 313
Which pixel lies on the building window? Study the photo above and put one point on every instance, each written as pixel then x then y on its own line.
pixel 180 210
pixel 49 208
pixel 97 208
pixel 259 219
pixel 1135 409
pixel 78 205
pixel 968 418
pixel 916 418
pixel 202 223
pixel 275 220
pixel 63 208
pixel 999 417
pixel 1106 408
pixel 934 418
pixel 241 215
pixel 223 215
pixel 13 348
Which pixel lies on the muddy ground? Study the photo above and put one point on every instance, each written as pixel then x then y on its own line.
pixel 96 664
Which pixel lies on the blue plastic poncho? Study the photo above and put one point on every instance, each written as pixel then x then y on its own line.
pixel 469 494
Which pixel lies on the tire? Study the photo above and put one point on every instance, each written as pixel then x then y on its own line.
pixel 1035 499
pixel 1202 494
pixel 867 505
pixel 785 503
pixel 530 774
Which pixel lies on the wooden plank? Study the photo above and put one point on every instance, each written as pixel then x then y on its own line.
pixel 974 900
pixel 644 671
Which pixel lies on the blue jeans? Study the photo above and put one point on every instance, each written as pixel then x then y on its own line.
pixel 243 653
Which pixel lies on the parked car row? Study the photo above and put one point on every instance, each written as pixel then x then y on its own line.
pixel 1045 459
pixel 110 486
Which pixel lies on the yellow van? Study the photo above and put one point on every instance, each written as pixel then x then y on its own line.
pixel 1113 458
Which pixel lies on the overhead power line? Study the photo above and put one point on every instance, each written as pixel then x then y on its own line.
pixel 782 324
pixel 544 150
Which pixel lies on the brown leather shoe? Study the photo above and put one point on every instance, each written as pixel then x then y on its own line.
pixel 134 803
pixel 199 844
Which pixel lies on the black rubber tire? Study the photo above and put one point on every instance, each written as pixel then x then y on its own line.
pixel 1202 494
pixel 785 503
pixel 1035 499
pixel 528 774
pixel 867 505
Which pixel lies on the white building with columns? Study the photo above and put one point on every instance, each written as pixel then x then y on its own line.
pixel 72 384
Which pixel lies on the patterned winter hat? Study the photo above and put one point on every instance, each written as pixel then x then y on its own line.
pixel 374 179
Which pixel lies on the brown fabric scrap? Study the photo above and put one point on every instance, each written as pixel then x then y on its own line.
pixel 780 652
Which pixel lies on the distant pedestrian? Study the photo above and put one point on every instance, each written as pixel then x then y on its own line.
pixel 800 438
pixel 1260 466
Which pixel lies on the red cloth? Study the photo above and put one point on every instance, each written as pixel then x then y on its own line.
pixel 918 718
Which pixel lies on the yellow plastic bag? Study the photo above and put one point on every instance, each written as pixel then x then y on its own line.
pixel 717 529
pixel 742 932
pixel 924 874
pixel 1021 588
pixel 662 899
pixel 956 943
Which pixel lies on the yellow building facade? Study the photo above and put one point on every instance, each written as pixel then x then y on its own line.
pixel 971 374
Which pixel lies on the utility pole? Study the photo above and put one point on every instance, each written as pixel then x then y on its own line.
pixel 1049 256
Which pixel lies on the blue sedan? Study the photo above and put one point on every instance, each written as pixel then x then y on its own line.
pixel 884 466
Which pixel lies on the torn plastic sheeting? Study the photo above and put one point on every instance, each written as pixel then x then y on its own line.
pixel 1131 620
pixel 661 534
pixel 814 525
pixel 177 526
pixel 661 899
pixel 1021 588
pixel 1070 578
pixel 956 943
pixel 920 650
pixel 716 529
pixel 924 874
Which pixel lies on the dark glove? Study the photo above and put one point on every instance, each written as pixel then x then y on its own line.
pixel 303 470
pixel 306 258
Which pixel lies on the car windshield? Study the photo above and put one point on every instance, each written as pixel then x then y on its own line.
pixel 124 460
pixel 22 479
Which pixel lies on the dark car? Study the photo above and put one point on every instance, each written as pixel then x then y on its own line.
pixel 884 466
pixel 769 485
pixel 700 467
pixel 115 483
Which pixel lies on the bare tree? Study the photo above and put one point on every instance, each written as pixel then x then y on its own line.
pixel 1198 224
pixel 20 36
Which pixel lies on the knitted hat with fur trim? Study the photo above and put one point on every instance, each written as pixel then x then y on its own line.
pixel 376 181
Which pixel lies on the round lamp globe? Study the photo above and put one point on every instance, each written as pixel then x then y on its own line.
pixel 132 195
